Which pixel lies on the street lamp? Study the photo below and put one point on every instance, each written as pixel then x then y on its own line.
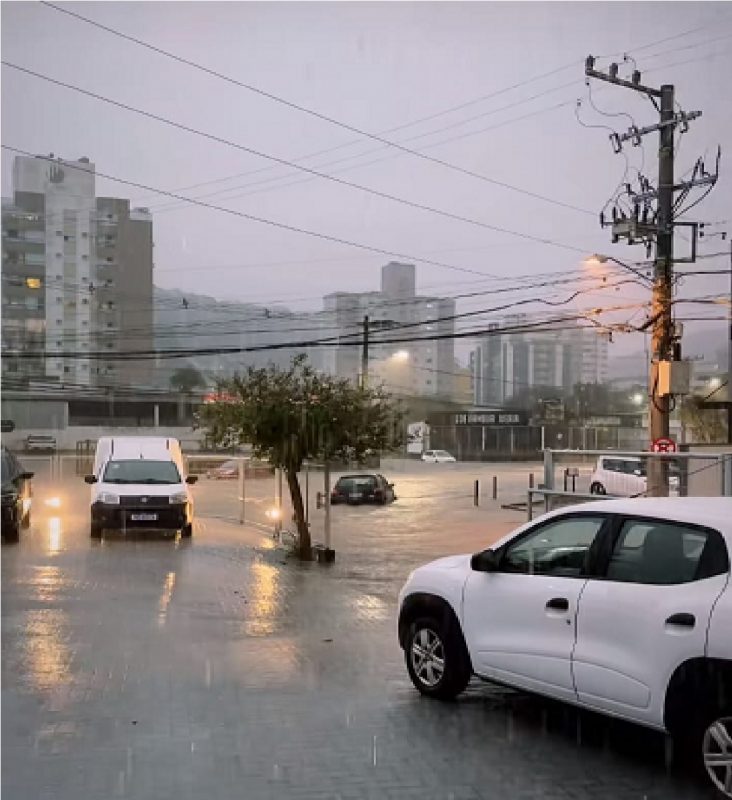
pixel 598 259
pixel 401 356
pixel 637 398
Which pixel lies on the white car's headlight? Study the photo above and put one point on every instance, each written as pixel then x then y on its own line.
pixel 108 498
pixel 178 497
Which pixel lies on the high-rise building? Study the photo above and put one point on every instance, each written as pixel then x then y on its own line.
pixel 77 278
pixel 394 312
pixel 507 361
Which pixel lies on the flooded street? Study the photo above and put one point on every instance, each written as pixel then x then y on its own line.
pixel 150 666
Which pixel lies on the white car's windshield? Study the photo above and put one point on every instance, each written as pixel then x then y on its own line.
pixel 141 471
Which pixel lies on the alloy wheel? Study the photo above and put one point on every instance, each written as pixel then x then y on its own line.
pixel 717 754
pixel 428 657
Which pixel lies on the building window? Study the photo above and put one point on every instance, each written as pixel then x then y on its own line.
pixel 59 299
pixel 67 370
pixel 59 233
pixel 33 283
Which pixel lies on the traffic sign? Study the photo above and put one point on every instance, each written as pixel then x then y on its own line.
pixel 663 445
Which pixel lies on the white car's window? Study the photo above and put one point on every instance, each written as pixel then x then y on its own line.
pixel 557 548
pixel 666 553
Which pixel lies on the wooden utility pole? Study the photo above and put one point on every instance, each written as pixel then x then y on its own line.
pixel 644 226
pixel 365 353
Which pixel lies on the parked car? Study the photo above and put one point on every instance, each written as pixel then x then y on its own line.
pixel 40 443
pixel 438 457
pixel 619 606
pixel 225 471
pixel 356 489
pixel 138 482
pixel 16 495
pixel 626 476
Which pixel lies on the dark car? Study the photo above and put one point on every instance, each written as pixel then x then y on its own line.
pixel 16 496
pixel 368 488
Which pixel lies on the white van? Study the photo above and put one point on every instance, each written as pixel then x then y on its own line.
pixel 140 482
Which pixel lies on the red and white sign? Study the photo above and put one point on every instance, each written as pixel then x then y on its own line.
pixel 663 445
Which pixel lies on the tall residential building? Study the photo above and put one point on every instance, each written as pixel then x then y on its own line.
pixel 506 361
pixel 394 312
pixel 77 278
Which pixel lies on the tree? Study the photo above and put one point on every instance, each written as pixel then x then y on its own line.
pixel 707 425
pixel 289 416
pixel 186 379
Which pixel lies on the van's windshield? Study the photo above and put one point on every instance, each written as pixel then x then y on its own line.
pixel 141 471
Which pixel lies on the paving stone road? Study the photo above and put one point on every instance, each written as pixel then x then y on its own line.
pixel 154 668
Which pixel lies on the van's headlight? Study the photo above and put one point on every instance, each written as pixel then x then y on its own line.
pixel 178 497
pixel 108 498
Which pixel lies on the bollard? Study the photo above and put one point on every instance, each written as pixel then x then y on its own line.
pixel 476 493
pixel 242 493
pixel 531 480
pixel 495 487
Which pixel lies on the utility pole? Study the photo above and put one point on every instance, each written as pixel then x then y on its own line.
pixel 729 356
pixel 646 225
pixel 659 422
pixel 365 353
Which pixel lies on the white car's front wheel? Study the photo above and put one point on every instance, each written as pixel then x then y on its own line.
pixel 716 749
pixel 437 660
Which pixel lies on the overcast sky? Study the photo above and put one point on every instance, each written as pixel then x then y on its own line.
pixel 375 66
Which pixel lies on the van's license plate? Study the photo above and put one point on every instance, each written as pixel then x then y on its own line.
pixel 143 517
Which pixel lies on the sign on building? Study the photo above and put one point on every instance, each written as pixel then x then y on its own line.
pixel 417 437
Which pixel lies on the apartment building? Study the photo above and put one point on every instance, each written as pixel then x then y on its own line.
pixel 395 312
pixel 77 278
pixel 508 360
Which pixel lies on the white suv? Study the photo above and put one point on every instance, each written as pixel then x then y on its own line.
pixel 621 606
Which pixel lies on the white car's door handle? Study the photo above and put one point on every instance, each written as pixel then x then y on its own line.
pixel 558 604
pixel 683 620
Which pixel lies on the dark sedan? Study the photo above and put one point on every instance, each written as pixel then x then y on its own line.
pixel 367 488
pixel 16 496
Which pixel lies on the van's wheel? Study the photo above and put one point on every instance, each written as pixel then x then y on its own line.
pixel 187 530
pixel 437 659
pixel 597 488
pixel 96 530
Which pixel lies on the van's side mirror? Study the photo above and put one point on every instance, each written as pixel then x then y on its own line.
pixel 485 561
pixel 90 478
pixel 192 479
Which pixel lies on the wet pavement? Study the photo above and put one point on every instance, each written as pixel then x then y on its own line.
pixel 155 667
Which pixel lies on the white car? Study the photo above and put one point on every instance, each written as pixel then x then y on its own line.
pixel 625 476
pixel 438 457
pixel 620 606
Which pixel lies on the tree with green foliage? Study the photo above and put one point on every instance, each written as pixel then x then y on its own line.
pixel 186 379
pixel 293 415
pixel 707 425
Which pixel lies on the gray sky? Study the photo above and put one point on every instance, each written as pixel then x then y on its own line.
pixel 374 66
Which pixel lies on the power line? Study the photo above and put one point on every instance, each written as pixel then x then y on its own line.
pixel 189 327
pixel 254 218
pixel 380 148
pixel 285 162
pixel 290 104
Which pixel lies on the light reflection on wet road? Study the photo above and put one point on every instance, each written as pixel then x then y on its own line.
pixel 158 667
